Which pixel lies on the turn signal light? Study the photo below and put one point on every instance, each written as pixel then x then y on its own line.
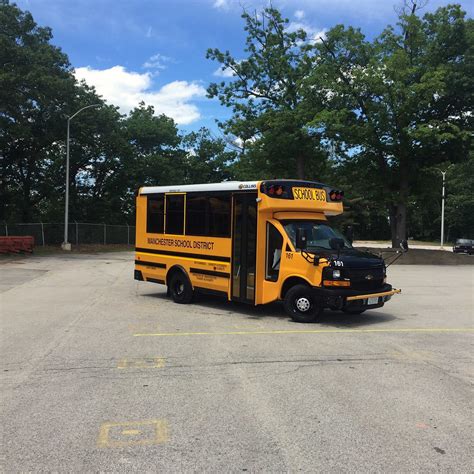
pixel 336 283
pixel 336 195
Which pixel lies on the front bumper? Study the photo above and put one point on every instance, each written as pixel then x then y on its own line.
pixel 342 298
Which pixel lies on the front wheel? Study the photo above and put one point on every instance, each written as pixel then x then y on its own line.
pixel 180 288
pixel 301 304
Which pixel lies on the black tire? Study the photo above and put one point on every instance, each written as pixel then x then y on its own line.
pixel 180 288
pixel 353 311
pixel 297 299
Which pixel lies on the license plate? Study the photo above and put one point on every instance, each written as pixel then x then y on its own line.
pixel 309 194
pixel 373 300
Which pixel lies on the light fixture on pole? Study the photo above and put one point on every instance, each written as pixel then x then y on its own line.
pixel 66 245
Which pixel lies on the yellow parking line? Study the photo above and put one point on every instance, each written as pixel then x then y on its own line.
pixel 305 331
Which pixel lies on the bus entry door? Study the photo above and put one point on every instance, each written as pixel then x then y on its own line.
pixel 244 238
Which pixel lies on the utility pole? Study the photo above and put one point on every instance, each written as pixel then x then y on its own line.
pixel 66 245
pixel 443 198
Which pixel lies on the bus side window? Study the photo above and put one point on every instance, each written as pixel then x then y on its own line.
pixel 219 216
pixel 208 216
pixel 273 256
pixel 155 214
pixel 175 214
pixel 196 215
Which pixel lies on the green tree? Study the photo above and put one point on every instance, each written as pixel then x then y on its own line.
pixel 207 158
pixel 460 200
pixel 265 94
pixel 399 104
pixel 35 79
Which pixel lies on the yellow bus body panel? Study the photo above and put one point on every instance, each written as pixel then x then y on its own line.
pixel 196 255
pixel 207 260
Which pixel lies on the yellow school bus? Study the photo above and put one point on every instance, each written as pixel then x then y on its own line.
pixel 255 242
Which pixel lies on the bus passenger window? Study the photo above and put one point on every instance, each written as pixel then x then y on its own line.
pixel 219 216
pixel 196 215
pixel 208 216
pixel 155 214
pixel 175 214
pixel 274 248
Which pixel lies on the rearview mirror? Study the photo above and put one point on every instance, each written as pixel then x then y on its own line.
pixel 336 244
pixel 301 238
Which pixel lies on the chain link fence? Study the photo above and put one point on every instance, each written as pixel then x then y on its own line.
pixel 79 233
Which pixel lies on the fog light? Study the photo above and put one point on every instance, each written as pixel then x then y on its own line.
pixel 336 273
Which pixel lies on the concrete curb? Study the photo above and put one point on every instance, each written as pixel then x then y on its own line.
pixel 425 257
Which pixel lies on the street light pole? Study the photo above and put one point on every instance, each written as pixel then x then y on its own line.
pixel 443 197
pixel 66 245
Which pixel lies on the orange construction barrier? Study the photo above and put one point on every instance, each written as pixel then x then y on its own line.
pixel 17 244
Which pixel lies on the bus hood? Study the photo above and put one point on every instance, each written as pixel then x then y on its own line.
pixel 353 258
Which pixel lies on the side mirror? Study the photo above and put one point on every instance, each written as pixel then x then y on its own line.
pixel 350 233
pixel 336 244
pixel 404 245
pixel 301 238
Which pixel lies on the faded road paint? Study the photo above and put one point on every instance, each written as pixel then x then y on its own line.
pixel 308 331
pixel 153 431
pixel 148 363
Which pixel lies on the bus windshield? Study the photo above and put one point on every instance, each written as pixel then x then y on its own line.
pixel 319 234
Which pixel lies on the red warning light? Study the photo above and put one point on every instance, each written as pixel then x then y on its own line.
pixel 336 195
pixel 276 190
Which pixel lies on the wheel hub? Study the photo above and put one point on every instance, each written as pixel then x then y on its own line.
pixel 303 304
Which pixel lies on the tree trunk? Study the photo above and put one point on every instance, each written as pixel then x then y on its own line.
pixel 26 207
pixel 398 223
pixel 398 211
pixel 300 167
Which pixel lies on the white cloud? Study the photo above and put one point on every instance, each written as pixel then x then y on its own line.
pixel 314 34
pixel 318 35
pixel 157 61
pixel 223 72
pixel 299 14
pixel 221 4
pixel 126 89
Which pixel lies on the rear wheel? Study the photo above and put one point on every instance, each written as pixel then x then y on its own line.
pixel 180 288
pixel 301 304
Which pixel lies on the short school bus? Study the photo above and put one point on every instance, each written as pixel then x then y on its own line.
pixel 255 242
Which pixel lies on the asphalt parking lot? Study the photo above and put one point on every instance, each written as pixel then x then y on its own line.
pixel 103 373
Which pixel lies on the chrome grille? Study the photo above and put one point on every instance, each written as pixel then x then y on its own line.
pixel 365 278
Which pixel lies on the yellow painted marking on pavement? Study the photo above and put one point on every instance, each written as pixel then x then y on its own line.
pixel 148 363
pixel 307 331
pixel 131 432
pixel 153 431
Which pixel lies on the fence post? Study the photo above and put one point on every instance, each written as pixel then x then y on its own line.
pixel 105 234
pixel 128 234
pixel 6 230
pixel 77 233
pixel 42 231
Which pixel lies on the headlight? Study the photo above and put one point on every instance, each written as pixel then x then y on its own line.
pixel 336 273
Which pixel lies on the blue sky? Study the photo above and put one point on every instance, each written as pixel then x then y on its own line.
pixel 155 49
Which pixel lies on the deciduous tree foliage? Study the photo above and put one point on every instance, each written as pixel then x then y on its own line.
pixel 111 155
pixel 380 118
pixel 399 104
pixel 266 94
